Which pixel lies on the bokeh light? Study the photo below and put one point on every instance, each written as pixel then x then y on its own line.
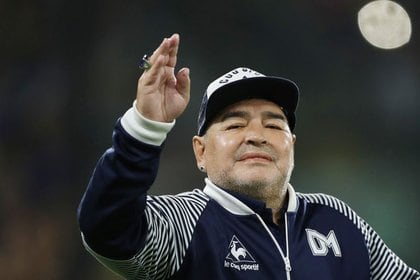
pixel 384 24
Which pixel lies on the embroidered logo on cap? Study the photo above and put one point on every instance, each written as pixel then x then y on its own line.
pixel 234 75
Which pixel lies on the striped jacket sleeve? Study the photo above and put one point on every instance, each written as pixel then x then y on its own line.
pixel 170 225
pixel 135 235
pixel 384 263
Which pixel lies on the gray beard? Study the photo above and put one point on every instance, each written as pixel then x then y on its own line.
pixel 257 189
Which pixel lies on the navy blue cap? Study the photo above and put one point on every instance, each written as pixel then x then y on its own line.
pixel 244 83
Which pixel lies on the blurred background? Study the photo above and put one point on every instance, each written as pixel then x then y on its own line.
pixel 69 69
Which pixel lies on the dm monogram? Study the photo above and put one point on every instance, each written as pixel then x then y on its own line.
pixel 320 244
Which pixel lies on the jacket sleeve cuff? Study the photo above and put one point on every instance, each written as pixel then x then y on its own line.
pixel 145 130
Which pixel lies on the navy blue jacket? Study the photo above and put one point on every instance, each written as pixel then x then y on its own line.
pixel 216 234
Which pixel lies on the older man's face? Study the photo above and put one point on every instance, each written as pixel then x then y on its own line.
pixel 248 147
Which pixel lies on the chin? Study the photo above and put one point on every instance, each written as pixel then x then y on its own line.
pixel 254 178
pixel 257 174
pixel 256 181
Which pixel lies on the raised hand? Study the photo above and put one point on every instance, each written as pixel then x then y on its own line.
pixel 163 95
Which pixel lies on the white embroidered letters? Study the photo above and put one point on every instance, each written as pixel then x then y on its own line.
pixel 320 244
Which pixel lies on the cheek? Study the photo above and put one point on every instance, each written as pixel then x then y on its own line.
pixel 223 142
pixel 285 146
pixel 220 149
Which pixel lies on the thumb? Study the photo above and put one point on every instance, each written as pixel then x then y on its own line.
pixel 183 82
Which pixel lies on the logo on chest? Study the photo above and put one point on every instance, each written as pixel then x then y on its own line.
pixel 239 257
pixel 321 244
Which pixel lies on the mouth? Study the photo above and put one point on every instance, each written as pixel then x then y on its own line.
pixel 256 156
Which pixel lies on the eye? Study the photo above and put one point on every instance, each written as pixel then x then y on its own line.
pixel 274 126
pixel 234 126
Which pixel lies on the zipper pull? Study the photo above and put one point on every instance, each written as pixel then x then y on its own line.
pixel 287 264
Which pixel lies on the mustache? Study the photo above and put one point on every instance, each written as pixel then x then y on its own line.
pixel 264 152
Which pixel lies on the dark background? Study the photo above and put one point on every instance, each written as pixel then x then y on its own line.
pixel 68 70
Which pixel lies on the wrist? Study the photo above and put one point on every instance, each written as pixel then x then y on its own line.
pixel 143 129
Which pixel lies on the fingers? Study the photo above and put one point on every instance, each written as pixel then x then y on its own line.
pixel 157 71
pixel 173 51
pixel 163 61
pixel 164 56
pixel 183 83
pixel 168 47
pixel 163 95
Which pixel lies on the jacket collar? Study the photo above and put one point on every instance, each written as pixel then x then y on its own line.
pixel 235 205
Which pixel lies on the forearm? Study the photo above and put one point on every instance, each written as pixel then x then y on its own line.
pixel 111 211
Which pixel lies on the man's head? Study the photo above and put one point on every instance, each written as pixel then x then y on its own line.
pixel 245 143
pixel 243 83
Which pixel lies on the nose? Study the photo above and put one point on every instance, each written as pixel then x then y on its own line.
pixel 255 135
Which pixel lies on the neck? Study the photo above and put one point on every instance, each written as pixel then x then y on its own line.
pixel 276 204
pixel 273 197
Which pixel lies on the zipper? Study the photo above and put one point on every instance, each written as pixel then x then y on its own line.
pixel 288 267
pixel 237 207
pixel 285 257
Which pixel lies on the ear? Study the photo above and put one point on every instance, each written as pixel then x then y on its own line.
pixel 293 138
pixel 199 147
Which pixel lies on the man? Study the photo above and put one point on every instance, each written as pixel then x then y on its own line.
pixel 248 222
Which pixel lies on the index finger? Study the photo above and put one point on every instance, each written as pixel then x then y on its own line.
pixel 173 51
pixel 163 49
